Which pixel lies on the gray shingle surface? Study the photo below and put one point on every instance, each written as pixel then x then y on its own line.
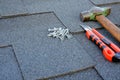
pixel 88 74
pixel 104 2
pixel 68 11
pixel 11 7
pixel 41 56
pixel 17 31
pixel 109 71
pixel 115 14
pixel 8 66
pixel 63 9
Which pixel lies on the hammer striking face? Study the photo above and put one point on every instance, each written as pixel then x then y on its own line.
pixel 93 12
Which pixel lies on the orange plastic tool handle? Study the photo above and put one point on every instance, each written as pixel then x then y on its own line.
pixel 107 52
pixel 106 41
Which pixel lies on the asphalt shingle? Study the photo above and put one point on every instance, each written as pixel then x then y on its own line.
pixel 115 14
pixel 11 7
pixel 40 56
pixel 88 74
pixel 68 11
pixel 108 70
pixel 104 2
pixel 8 65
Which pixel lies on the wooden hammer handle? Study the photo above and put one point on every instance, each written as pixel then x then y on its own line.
pixel 109 26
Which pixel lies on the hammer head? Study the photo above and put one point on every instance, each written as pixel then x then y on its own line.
pixel 93 12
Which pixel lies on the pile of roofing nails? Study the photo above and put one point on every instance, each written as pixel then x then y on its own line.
pixel 59 33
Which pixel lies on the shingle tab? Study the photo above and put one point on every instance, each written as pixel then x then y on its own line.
pixel 104 2
pixel 9 69
pixel 68 11
pixel 39 55
pixel 11 7
pixel 108 70
pixel 89 74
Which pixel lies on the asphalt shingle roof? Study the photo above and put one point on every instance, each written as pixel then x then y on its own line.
pixel 26 50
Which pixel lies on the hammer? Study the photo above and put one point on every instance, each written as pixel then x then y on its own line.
pixel 97 13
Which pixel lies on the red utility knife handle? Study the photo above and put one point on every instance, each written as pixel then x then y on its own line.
pixel 107 52
pixel 106 41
